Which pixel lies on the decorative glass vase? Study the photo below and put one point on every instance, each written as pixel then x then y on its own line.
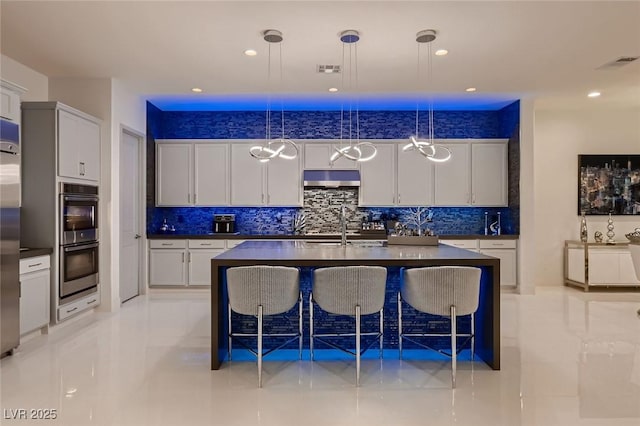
pixel 610 233
pixel 583 229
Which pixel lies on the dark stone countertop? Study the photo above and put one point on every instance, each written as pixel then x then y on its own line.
pixel 33 252
pixel 172 236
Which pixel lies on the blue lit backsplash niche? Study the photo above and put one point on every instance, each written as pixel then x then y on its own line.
pixel 326 124
pixel 279 220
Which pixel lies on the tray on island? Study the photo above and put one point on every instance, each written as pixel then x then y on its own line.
pixel 413 240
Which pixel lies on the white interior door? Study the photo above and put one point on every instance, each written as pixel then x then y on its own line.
pixel 130 182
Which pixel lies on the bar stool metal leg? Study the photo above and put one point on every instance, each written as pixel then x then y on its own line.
pixel 311 326
pixel 473 337
pixel 381 333
pixel 357 345
pixel 229 347
pixel 300 326
pixel 454 349
pixel 399 326
pixel 259 346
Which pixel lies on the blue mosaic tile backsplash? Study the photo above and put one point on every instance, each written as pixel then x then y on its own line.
pixel 318 125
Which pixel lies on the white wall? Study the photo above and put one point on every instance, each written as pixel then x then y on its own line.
pixel 37 84
pixel 561 135
pixel 527 240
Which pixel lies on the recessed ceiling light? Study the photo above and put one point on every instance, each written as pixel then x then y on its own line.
pixel 470 89
pixel 441 52
pixel 196 90
pixel 594 94
pixel 333 89
pixel 250 52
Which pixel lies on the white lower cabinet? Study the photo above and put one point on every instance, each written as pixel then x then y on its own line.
pixel 73 308
pixel 505 250
pixel 184 262
pixel 35 290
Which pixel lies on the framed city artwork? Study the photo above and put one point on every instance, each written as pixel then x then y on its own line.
pixel 609 184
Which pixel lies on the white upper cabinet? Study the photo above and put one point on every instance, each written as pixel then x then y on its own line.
pixel 10 101
pixel 246 177
pixel 378 182
pixel 78 147
pixel 192 173
pixel 452 178
pixel 316 156
pixel 276 183
pixel 173 174
pixel 415 179
pixel 489 174
pixel 284 182
pixel 211 174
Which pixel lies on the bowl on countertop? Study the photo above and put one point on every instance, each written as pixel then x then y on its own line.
pixel 634 237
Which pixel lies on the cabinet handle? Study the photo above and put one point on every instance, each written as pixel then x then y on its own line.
pixel 473 199
pixel 262 199
pixel 498 244
pixel 182 257
pixel 205 244
pixel 167 244
pixel 81 168
pixel 398 198
pixel 35 264
pixel 92 301
pixel 268 198
pixel 188 198
pixel 189 257
pixel 71 310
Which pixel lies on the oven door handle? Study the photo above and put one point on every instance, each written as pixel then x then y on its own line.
pixel 81 247
pixel 79 198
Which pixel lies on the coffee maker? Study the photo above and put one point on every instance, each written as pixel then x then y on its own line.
pixel 224 223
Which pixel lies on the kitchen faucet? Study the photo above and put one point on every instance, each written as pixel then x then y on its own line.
pixel 343 225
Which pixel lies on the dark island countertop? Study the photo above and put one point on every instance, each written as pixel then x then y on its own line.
pixel 321 254
pixel 33 252
pixel 350 236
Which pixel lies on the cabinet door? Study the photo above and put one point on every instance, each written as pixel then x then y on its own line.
pixel 167 267
pixel 173 174
pixel 211 174
pixel 452 178
pixel 317 155
pixel 200 266
pixel 378 183
pixel 34 300
pixel 603 267
pixel 88 149
pixel 489 174
pixel 246 177
pixel 627 271
pixel 68 145
pixel 508 262
pixel 9 105
pixel 284 182
pixel 415 179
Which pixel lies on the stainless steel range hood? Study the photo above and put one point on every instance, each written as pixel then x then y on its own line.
pixel 331 178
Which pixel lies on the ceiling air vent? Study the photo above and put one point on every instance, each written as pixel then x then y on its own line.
pixel 620 62
pixel 329 69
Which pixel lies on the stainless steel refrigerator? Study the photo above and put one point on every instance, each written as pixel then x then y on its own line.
pixel 9 236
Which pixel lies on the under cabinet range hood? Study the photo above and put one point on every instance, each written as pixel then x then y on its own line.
pixel 331 178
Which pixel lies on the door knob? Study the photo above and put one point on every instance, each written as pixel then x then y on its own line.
pixel 138 236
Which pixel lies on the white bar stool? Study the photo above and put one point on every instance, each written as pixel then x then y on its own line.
pixel 353 291
pixel 260 291
pixel 447 291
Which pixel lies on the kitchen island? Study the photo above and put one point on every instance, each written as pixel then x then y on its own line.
pixel 306 254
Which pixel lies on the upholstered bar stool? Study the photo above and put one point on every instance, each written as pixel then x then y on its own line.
pixel 353 291
pixel 448 291
pixel 260 291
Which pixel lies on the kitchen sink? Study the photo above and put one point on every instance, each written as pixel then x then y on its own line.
pixel 349 243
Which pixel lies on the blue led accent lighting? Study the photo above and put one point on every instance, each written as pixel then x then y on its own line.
pixel 329 102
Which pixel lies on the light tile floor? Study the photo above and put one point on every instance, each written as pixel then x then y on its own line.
pixel 568 358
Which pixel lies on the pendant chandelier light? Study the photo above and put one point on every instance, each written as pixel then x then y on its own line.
pixel 355 150
pixel 426 146
pixel 277 147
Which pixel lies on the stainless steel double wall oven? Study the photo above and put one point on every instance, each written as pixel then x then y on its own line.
pixel 78 241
